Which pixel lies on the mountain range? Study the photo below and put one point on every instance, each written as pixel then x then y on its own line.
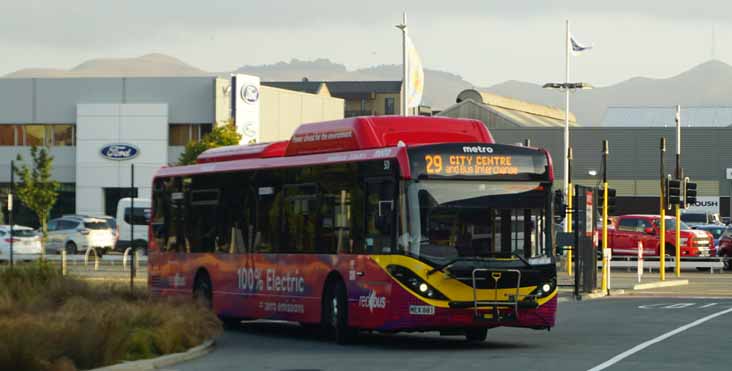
pixel 708 84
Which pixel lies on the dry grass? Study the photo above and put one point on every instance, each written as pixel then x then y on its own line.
pixel 51 322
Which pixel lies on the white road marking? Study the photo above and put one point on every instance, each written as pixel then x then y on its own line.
pixel 658 339
pixel 650 306
pixel 679 305
pixel 708 305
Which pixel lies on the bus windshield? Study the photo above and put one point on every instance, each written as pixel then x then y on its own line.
pixel 485 219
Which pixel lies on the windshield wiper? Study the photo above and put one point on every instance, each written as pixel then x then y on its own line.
pixel 441 268
pixel 522 259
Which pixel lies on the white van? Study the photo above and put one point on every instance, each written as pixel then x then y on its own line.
pixel 140 216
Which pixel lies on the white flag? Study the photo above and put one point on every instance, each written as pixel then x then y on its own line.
pixel 415 76
pixel 578 48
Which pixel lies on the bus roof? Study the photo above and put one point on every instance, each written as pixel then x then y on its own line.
pixel 359 133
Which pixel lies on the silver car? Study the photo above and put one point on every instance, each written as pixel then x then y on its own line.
pixel 76 234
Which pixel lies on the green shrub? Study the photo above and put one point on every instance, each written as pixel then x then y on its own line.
pixel 52 322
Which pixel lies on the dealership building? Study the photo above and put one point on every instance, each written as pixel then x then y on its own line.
pixel 633 135
pixel 96 128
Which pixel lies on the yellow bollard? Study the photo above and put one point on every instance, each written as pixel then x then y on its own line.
pixel 63 262
pixel 96 260
pixel 677 269
pixel 568 220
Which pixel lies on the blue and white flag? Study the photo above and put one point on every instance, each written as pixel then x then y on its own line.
pixel 578 48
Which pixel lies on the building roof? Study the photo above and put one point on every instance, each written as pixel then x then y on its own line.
pixel 312 87
pixel 363 87
pixel 341 89
pixel 517 112
pixel 648 116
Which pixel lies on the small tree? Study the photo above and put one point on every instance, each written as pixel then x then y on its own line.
pixel 36 189
pixel 224 135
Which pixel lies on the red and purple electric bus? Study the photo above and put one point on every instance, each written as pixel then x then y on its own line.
pixel 369 223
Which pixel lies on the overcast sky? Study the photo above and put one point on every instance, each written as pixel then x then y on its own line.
pixel 485 41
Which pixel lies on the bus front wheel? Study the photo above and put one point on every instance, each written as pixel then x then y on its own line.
pixel 335 313
pixel 476 335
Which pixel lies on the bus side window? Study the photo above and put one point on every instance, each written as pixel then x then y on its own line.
pixel 160 222
pixel 337 227
pixel 380 216
pixel 301 215
pixel 235 220
pixel 269 223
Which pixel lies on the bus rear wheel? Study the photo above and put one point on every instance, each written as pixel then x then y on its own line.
pixel 335 313
pixel 476 335
pixel 202 291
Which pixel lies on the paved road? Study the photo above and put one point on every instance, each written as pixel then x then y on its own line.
pixel 588 334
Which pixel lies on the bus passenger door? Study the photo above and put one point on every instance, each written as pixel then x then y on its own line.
pixel 372 284
pixel 380 216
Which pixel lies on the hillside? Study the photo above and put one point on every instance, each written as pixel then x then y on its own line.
pixel 709 83
pixel 441 88
pixel 146 65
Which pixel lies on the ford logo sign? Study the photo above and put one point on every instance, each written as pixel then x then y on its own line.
pixel 119 151
pixel 249 94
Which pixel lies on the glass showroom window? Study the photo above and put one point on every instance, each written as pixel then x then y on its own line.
pixel 37 135
pixel 63 135
pixel 7 135
pixel 181 134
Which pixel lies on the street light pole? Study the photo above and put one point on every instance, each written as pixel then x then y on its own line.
pixel 403 27
pixel 10 209
pixel 565 154
pixel 677 269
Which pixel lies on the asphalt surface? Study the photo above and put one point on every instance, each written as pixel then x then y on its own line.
pixel 588 334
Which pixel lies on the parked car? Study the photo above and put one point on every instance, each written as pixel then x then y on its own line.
pixel 694 219
pixel 111 221
pixel 126 217
pixel 628 230
pixel 725 248
pixel 726 220
pixel 78 233
pixel 25 241
pixel 716 230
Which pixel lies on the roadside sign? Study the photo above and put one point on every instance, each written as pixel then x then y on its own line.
pixel 729 173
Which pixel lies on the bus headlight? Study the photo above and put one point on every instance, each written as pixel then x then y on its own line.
pixel 414 282
pixel 545 289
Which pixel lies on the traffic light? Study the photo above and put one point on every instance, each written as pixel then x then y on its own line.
pixel 560 207
pixel 673 192
pixel 689 193
pixel 610 200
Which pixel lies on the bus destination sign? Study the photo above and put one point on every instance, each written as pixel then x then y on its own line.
pixel 477 160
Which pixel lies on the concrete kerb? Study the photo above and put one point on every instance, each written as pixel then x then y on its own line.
pixel 591 295
pixel 566 297
pixel 162 361
pixel 653 285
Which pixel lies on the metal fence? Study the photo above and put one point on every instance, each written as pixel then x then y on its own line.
pixel 90 264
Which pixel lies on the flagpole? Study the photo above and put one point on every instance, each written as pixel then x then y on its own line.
pixel 565 156
pixel 403 27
